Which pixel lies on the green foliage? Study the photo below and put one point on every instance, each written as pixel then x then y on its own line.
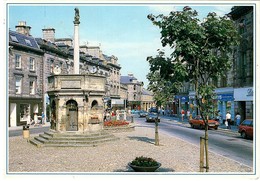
pixel 200 53
pixel 144 162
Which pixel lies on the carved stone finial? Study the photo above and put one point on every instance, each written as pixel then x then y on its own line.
pixel 76 18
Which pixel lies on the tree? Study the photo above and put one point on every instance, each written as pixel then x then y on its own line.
pixel 163 89
pixel 200 53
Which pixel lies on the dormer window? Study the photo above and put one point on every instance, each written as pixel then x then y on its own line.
pixel 14 39
pixel 28 42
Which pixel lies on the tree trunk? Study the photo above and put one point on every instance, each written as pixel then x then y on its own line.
pixel 206 146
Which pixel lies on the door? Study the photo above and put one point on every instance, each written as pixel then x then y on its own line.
pixel 72 116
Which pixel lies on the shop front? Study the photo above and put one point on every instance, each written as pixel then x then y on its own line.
pixel 225 103
pixel 182 103
pixel 22 110
pixel 244 102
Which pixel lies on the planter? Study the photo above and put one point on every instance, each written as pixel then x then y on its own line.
pixel 144 169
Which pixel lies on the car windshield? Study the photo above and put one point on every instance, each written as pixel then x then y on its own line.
pixel 153 114
pixel 247 122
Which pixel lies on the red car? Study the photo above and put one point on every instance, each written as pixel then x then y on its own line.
pixel 246 128
pixel 198 122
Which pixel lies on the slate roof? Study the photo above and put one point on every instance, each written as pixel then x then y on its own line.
pixel 21 39
pixel 146 92
pixel 127 79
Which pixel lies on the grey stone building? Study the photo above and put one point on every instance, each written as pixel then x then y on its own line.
pixel 235 90
pixel 134 91
pixel 25 76
pixel 33 60
pixel 243 65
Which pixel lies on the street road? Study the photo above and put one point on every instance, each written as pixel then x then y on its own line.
pixel 220 142
pixel 33 130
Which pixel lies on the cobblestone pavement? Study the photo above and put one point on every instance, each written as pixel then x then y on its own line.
pixel 175 155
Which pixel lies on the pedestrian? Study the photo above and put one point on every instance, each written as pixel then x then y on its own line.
pixel 238 118
pixel 228 120
pixel 35 118
pixel 182 114
pixel 108 116
pixel 43 117
pixel 188 114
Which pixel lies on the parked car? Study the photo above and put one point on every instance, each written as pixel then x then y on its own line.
pixel 151 117
pixel 135 111
pixel 246 128
pixel 198 122
pixel 143 114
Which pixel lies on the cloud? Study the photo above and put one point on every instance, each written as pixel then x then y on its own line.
pixel 222 10
pixel 161 9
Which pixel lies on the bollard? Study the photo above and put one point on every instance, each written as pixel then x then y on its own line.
pixel 26 132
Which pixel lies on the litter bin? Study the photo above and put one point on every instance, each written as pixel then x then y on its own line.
pixel 26 133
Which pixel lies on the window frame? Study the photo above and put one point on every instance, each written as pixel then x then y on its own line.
pixel 18 61
pixel 18 88
pixel 31 64
pixel 32 87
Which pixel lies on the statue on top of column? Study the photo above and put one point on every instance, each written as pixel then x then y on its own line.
pixel 76 18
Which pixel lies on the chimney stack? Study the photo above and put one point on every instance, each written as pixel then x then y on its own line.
pixel 49 34
pixel 23 29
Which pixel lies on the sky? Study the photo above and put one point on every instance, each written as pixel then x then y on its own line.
pixel 122 30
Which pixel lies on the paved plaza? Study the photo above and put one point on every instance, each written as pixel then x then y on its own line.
pixel 175 155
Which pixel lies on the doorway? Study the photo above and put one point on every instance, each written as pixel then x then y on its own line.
pixel 72 116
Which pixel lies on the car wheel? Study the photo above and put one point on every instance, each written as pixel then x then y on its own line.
pixel 243 134
pixel 191 125
pixel 216 128
pixel 201 127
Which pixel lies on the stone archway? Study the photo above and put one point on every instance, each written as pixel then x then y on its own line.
pixel 72 115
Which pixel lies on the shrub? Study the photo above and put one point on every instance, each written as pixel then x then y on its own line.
pixel 144 162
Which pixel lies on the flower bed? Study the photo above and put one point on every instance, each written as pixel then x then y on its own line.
pixel 115 123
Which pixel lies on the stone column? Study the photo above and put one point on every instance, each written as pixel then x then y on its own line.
pixel 76 41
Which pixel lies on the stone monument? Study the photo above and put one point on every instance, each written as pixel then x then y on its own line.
pixel 76 99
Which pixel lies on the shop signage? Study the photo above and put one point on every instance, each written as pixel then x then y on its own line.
pixel 250 92
pixel 225 97
pixel 182 98
pixel 244 94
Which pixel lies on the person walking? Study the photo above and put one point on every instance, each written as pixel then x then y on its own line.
pixel 228 120
pixel 238 118
pixel 188 114
pixel 43 118
pixel 182 114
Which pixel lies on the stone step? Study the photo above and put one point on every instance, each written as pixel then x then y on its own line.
pixel 64 137
pixel 64 140
pixel 36 143
pixel 52 139
pixel 75 134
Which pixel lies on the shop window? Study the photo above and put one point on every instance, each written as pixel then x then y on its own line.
pixel 25 112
